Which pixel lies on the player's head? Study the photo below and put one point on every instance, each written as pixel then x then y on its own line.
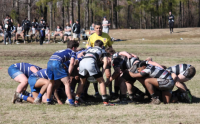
pixel 110 51
pixel 58 26
pixel 104 17
pixel 98 43
pixel 72 44
pixel 77 21
pixel 141 65
pixel 18 25
pixel 170 12
pixel 98 28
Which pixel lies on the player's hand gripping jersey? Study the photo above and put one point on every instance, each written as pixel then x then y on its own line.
pixel 122 61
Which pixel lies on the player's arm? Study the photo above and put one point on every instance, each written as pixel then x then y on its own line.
pixel 124 53
pixel 154 64
pixel 135 56
pixel 105 62
pixel 115 74
pixel 133 75
pixel 109 42
pixel 71 65
pixel 33 69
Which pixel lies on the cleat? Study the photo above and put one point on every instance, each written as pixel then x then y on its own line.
pixel 76 103
pixel 18 101
pixel 50 103
pixel 155 101
pixel 15 97
pixel 37 101
pixel 108 104
pixel 71 104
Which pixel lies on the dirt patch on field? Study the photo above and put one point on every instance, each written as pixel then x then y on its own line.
pixel 25 54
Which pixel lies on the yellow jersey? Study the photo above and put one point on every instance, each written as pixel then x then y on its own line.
pixel 105 38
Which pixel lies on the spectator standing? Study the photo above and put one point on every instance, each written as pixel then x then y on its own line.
pixel 7 33
pixel 26 26
pixel 76 30
pixel 171 22
pixel 92 29
pixel 105 24
pixel 41 28
pixel 5 20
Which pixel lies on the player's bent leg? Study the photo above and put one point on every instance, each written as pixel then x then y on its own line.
pixel 49 91
pixel 150 83
pixel 66 82
pixel 22 79
pixel 166 96
pixel 79 90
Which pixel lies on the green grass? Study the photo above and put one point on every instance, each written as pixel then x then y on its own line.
pixel 164 48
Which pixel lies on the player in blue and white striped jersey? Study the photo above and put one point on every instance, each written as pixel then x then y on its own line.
pixel 38 83
pixel 20 72
pixel 55 69
pixel 155 77
pixel 185 72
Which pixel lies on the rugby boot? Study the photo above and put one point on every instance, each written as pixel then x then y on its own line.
pixel 50 103
pixel 37 101
pixel 69 103
pixel 155 100
pixel 187 97
pixel 15 97
pixel 108 104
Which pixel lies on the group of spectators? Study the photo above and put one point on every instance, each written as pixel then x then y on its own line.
pixel 41 30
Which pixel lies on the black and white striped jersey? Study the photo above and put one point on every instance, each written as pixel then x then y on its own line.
pixel 177 69
pixel 156 72
pixel 95 52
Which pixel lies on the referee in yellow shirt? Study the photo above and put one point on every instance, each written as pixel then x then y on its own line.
pixel 105 38
pixel 99 35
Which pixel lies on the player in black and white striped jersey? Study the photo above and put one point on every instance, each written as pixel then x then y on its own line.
pixel 184 72
pixel 155 77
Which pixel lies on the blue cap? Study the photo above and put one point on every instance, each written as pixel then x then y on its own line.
pixel 104 17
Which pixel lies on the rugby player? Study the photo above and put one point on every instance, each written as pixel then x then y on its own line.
pixel 38 83
pixel 185 72
pixel 155 77
pixel 56 71
pixel 20 72
pixel 105 38
pixel 88 67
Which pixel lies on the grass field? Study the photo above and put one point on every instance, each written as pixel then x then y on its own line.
pixel 182 46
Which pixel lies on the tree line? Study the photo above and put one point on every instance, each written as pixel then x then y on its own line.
pixel 137 14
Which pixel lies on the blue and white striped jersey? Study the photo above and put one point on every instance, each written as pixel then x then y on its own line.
pixel 25 68
pixel 41 73
pixel 63 55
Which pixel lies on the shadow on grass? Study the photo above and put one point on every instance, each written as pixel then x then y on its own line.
pixel 180 31
pixel 195 99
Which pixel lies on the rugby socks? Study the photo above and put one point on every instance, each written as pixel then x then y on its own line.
pixel 48 100
pixel 39 96
pixel 154 96
pixel 96 87
pixel 71 101
pixel 27 94
pixel 110 88
pixel 76 99
pixel 116 90
pixel 105 98
pixel 21 96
